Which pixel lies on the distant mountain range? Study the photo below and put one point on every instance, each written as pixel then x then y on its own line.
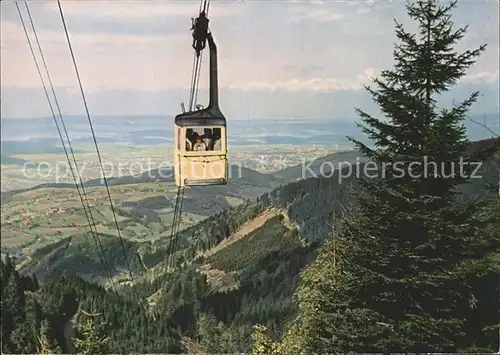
pixel 39 135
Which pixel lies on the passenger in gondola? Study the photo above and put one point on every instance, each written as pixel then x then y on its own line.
pixel 190 138
pixel 199 145
pixel 216 135
pixel 207 137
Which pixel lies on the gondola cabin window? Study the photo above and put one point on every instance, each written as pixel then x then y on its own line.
pixel 203 139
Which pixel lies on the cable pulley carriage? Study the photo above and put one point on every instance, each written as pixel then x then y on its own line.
pixel 200 155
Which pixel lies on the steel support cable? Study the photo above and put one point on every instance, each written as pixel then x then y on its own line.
pixel 179 220
pixel 176 221
pixel 197 78
pixel 95 143
pixel 193 72
pixel 174 218
pixel 179 195
pixel 207 7
pixel 88 214
pixel 91 223
pixel 173 236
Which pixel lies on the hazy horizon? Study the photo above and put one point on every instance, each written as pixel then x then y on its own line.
pixel 154 130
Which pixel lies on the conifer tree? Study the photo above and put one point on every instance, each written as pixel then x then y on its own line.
pixel 407 251
pixel 483 323
pixel 45 345
pixel 214 336
pixel 23 338
pixel 411 263
pixel 261 344
pixel 13 299
pixel 36 284
pixel 8 268
pixel 91 338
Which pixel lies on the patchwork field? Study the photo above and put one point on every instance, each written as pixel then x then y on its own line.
pixel 144 211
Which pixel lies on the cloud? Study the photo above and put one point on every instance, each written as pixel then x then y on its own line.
pixel 128 10
pixel 305 71
pixel 319 85
pixel 315 11
pixel 13 32
pixel 323 15
pixel 363 10
pixel 160 18
pixel 137 56
pixel 488 77
pixel 107 61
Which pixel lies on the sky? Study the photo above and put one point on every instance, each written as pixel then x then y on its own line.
pixel 277 59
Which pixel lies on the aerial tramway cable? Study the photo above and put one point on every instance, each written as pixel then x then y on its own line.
pixel 173 242
pixel 97 147
pixel 197 60
pixel 88 214
pixel 195 79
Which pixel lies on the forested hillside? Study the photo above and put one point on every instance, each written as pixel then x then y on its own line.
pixel 248 278
pixel 242 268
pixel 38 319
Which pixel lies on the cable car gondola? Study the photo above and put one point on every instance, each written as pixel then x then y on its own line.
pixel 200 155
